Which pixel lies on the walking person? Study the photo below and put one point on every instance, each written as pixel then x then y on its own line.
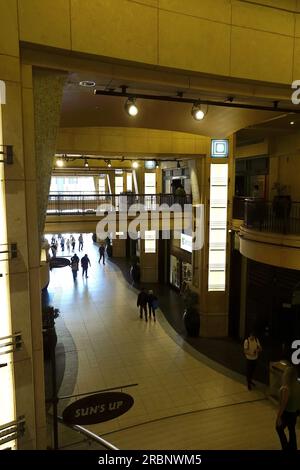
pixel 75 266
pixel 252 349
pixel 289 408
pixel 85 262
pixel 152 304
pixel 62 244
pixel 68 245
pixel 53 249
pixel 142 303
pixel 80 241
pixel 102 253
pixel 73 242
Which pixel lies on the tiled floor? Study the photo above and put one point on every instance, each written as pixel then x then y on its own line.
pixel 111 346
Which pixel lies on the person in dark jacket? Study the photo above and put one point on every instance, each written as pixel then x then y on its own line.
pixel 142 303
pixel 102 253
pixel 74 266
pixel 85 262
pixel 152 304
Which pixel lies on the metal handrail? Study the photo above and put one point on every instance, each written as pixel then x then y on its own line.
pixel 89 203
pixel 89 434
pixel 279 216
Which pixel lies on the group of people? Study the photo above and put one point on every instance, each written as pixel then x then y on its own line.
pixel 85 263
pixel 147 301
pixel 65 242
pixel 289 393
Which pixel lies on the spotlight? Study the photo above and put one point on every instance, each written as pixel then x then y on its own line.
pixel 60 163
pixel 197 112
pixel 292 123
pixel 108 163
pixel 86 163
pixel 135 165
pixel 131 107
pixel 156 164
pixel 178 165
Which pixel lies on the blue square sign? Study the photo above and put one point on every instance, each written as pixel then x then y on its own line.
pixel 219 148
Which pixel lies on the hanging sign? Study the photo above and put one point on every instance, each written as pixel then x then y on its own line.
pixel 97 408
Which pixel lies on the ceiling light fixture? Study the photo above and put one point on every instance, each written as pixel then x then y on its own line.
pixel 156 164
pixel 60 163
pixel 197 112
pixel 131 108
pixel 135 164
pixel 86 163
pixel 178 164
pixel 292 123
pixel 87 83
pixel 108 162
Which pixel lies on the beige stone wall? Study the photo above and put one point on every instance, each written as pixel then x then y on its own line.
pixel 252 40
pixel 120 141
pixel 285 164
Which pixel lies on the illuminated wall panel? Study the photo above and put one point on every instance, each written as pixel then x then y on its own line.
pixel 217 227
pixel 150 241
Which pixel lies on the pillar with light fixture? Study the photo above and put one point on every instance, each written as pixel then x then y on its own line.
pixel 214 173
pixel 7 389
pixel 22 390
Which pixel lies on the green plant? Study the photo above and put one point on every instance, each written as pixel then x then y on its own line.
pixel 190 298
pixel 134 260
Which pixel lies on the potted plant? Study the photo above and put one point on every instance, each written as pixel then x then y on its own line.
pixel 191 315
pixel 281 202
pixel 108 247
pixel 135 271
pixel 49 334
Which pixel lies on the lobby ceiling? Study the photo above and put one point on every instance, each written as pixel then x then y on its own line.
pixel 81 108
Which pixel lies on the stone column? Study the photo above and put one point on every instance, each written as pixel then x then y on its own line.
pixel 47 94
pixel 148 264
pixel 213 304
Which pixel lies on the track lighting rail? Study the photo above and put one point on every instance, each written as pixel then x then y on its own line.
pixel 229 103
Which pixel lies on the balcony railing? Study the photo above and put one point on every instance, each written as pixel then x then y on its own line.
pixel 279 216
pixel 65 203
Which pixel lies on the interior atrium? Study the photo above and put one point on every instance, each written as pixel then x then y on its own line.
pixel 149 224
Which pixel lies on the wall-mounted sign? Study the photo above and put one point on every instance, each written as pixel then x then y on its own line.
pixel 150 164
pixel 98 408
pixel 186 242
pixel 219 148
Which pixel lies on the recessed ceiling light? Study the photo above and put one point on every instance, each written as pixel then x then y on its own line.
pixel 87 83
pixel 292 123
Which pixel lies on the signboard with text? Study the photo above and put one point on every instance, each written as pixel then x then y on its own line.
pixel 97 408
